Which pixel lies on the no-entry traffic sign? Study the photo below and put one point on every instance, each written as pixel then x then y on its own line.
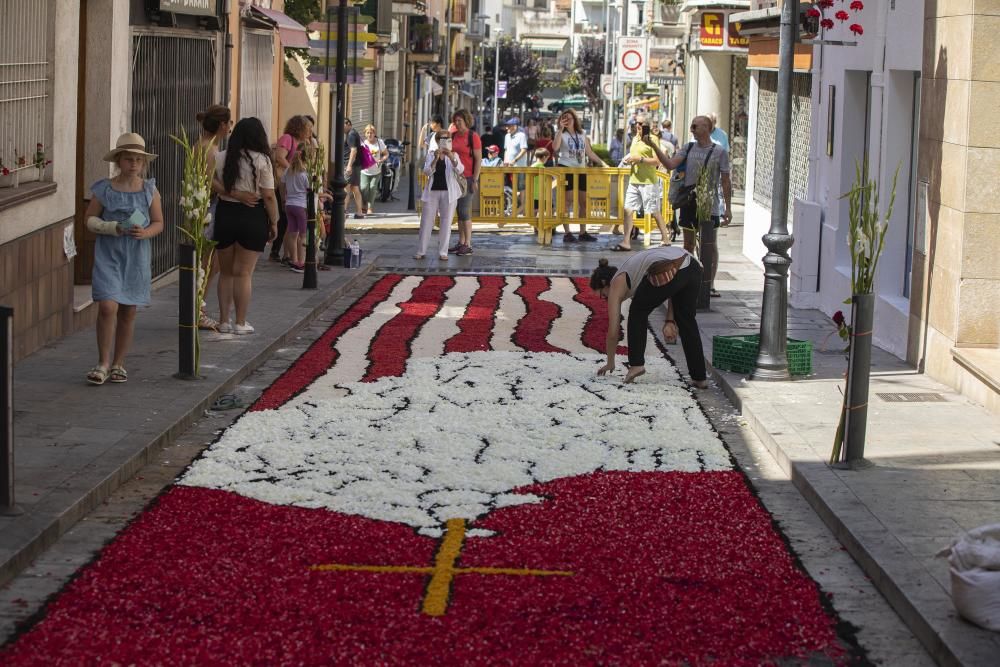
pixel 633 57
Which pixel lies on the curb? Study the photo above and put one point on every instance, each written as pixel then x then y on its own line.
pixel 950 641
pixel 15 562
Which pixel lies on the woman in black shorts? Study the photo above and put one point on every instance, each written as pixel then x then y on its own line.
pixel 243 229
pixel 572 149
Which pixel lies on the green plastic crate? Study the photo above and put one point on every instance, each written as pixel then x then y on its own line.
pixel 739 353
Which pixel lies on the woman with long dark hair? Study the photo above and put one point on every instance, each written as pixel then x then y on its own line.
pixel 650 278
pixel 242 232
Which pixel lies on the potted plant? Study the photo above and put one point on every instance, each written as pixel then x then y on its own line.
pixel 866 239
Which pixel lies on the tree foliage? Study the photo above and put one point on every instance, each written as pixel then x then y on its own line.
pixel 304 12
pixel 520 68
pixel 589 66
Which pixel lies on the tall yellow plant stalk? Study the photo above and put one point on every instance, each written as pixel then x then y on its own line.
pixel 196 198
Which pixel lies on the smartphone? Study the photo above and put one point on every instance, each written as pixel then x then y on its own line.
pixel 645 130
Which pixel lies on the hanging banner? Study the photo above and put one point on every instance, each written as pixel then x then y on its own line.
pixel 633 59
pixel 501 90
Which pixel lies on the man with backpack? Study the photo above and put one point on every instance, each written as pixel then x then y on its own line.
pixel 702 153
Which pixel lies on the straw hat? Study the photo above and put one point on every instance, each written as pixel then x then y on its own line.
pixel 130 142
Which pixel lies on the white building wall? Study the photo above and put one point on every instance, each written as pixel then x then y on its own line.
pixel 25 218
pixel 891 51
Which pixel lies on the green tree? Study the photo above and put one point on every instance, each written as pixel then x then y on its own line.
pixel 519 67
pixel 304 12
pixel 589 66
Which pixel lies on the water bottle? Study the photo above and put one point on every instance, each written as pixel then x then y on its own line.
pixel 355 254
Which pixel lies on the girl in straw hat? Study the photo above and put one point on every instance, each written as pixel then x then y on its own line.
pixel 125 213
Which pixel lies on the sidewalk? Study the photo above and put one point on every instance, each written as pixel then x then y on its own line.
pixel 937 469
pixel 937 472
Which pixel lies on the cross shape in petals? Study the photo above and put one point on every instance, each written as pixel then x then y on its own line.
pixel 443 572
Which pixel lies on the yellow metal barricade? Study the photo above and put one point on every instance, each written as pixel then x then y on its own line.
pixel 507 195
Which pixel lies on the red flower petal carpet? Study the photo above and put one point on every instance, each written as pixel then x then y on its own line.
pixel 442 479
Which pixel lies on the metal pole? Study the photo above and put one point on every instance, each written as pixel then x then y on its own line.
pixel 309 276
pixel 447 62
pixel 496 81
pixel 187 309
pixel 7 504
pixel 772 360
pixel 607 70
pixel 335 244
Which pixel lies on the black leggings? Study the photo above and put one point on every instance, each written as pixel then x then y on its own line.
pixel 683 292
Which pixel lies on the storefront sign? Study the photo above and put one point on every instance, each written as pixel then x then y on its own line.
pixel 713 29
pixel 717 33
pixel 196 7
pixel 666 79
pixel 733 37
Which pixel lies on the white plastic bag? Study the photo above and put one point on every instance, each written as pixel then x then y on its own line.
pixel 975 575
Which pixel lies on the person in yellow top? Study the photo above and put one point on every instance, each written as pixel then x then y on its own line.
pixel 538 182
pixel 644 192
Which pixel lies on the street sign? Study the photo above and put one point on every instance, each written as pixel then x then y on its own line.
pixel 607 86
pixel 633 59
pixel 666 79
pixel 501 90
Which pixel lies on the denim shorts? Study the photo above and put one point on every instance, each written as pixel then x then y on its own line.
pixel 464 207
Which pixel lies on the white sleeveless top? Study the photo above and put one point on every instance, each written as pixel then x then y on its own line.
pixel 572 150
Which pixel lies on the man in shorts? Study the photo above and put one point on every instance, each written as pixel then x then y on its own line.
pixel 515 154
pixel 352 167
pixel 698 154
pixel 644 192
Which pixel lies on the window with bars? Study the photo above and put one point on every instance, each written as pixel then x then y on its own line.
pixel 26 27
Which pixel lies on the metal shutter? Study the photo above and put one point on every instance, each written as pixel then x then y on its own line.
pixel 173 78
pixel 256 71
pixel 767 113
pixel 391 109
pixel 363 102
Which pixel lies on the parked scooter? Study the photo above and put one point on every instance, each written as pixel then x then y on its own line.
pixel 391 169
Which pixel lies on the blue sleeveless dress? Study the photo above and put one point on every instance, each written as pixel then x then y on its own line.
pixel 122 264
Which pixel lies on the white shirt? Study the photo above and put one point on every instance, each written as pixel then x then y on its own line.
pixel 245 179
pixel 376 150
pixel 512 145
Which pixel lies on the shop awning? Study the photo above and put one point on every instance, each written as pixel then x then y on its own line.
pixel 293 34
pixel 544 43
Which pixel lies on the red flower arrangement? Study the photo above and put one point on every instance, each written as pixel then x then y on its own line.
pixel 667 567
pixel 826 23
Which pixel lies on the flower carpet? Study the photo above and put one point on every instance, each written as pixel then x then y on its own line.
pixel 442 478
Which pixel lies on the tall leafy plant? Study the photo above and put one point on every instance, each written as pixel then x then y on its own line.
pixel 866 238
pixel 866 233
pixel 196 196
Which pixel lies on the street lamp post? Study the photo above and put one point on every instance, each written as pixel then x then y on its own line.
pixel 772 361
pixel 496 80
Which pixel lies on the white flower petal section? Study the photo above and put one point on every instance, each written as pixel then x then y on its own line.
pixel 457 434
pixel 509 312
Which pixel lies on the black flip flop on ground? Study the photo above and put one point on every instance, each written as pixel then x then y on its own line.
pixel 620 248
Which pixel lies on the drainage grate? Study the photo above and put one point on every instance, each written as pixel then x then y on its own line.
pixel 912 397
